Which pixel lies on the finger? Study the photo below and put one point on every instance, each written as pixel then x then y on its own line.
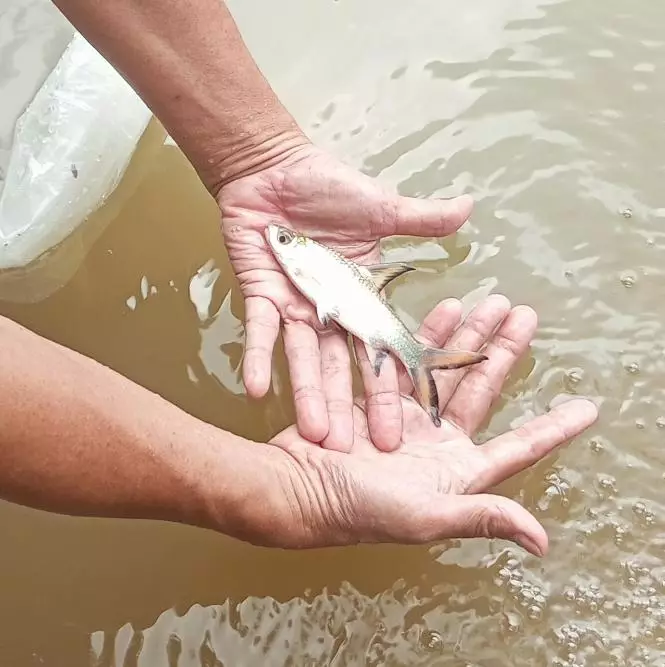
pixel 489 516
pixel 382 400
pixel 482 384
pixel 512 452
pixel 430 217
pixel 261 329
pixel 434 330
pixel 338 390
pixel 302 352
pixel 478 327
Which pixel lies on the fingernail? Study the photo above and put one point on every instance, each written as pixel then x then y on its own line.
pixel 530 545
pixel 560 399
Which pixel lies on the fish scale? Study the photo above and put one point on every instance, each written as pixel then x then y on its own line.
pixel 350 294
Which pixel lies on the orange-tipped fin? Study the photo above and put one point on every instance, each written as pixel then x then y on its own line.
pixel 447 359
pixel 425 385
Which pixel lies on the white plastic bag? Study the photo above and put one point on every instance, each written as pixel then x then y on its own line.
pixel 71 148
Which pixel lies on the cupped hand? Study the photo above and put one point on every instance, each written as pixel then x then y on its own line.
pixel 313 193
pixel 436 484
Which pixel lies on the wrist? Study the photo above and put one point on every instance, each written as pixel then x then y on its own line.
pixel 253 149
pixel 237 487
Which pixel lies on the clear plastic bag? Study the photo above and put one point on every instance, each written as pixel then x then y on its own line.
pixel 71 148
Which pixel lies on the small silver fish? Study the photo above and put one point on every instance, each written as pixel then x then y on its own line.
pixel 350 294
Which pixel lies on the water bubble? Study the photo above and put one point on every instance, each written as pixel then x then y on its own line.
pixel 639 423
pixel 660 422
pixel 432 640
pixel 607 484
pixel 626 212
pixel 512 623
pixel 514 585
pixel 619 533
pixel 628 278
pixel 596 445
pixel 622 607
pixel 527 595
pixel 633 367
pixel 574 375
pixel 534 612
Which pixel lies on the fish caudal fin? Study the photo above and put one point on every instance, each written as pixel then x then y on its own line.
pixel 433 357
pixel 423 381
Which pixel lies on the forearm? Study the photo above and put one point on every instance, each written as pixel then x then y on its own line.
pixel 78 438
pixel 187 61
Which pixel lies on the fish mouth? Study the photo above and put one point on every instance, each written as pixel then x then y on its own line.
pixel 268 228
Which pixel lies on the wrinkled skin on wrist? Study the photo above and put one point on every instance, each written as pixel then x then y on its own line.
pixel 311 191
pixel 437 484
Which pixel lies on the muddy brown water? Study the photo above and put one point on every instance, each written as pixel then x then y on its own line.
pixel 550 114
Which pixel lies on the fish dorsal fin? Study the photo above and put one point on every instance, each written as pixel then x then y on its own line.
pixel 382 274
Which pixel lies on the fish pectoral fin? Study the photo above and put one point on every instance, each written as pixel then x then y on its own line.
pixel 376 358
pixel 382 274
pixel 326 314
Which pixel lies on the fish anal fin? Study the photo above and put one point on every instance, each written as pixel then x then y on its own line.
pixel 326 314
pixel 382 274
pixel 376 357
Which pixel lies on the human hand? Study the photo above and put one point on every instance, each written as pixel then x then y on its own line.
pixel 312 192
pixel 435 486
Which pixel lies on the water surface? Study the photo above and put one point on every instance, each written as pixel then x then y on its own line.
pixel 550 115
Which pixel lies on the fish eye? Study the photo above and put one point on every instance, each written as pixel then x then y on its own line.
pixel 284 237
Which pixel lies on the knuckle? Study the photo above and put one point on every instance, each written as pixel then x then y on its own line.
pixel 299 353
pixel 339 405
pixel 508 344
pixel 477 325
pixel 306 392
pixel 523 432
pixel 382 398
pixel 260 322
pixel 491 521
pixel 257 350
pixel 331 365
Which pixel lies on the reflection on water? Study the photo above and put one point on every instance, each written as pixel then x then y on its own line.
pixel 549 113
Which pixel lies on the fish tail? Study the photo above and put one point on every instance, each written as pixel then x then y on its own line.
pixel 421 375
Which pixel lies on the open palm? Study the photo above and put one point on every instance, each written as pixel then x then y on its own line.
pixel 337 205
pixel 434 486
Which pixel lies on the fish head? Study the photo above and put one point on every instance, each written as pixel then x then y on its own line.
pixel 286 245
pixel 302 259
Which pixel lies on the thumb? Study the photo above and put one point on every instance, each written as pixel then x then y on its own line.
pixel 431 217
pixel 484 515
